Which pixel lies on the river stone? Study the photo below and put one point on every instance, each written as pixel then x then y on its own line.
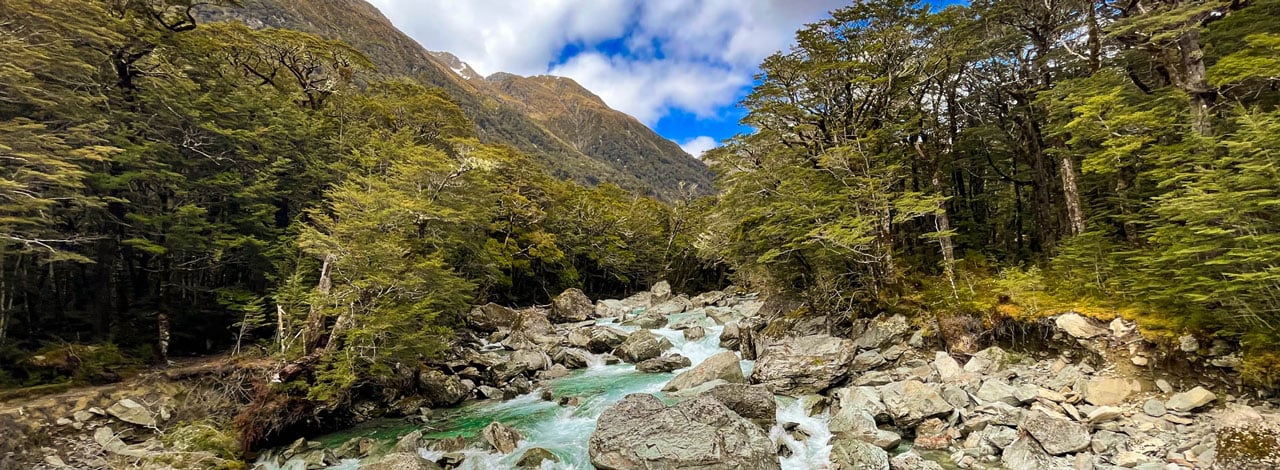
pixel 724 366
pixel 1078 326
pixel 660 292
pixel 754 402
pixel 1190 400
pixel 501 437
pixel 132 412
pixel 573 358
pixel 1102 391
pixel 676 305
pixel 1056 436
pixel 490 317
pixel 911 402
pixel 1154 408
pixel 910 460
pixel 661 364
pixel 808 364
pixel 534 323
pixel 611 308
pixel 400 461
pixel 722 315
pixel 641 432
pixel 852 421
pixel 531 359
pixel 694 333
pixel 730 338
pixel 1026 453
pixel 571 306
pixel 597 339
pixel 849 453
pixel 534 457
pixel 646 319
pixel 640 346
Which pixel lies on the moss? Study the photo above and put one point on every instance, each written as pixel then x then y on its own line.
pixel 204 436
pixel 1249 446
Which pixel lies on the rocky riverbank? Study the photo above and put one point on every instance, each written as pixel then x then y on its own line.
pixel 729 380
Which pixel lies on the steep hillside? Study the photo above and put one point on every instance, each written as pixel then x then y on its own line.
pixel 571 131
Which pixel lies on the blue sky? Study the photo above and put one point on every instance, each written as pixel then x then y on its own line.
pixel 680 66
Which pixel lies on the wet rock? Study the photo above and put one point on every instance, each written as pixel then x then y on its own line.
pixel 571 306
pixel 1154 408
pixel 932 434
pixel 573 358
pixel 485 391
pixel 661 364
pixel 1078 326
pixel 723 366
pixel 646 319
pixel 1102 391
pixel 754 402
pixel 501 437
pixel 694 333
pixel 132 412
pixel 806 364
pixel 642 432
pixel 1056 436
pixel 987 361
pixel 490 317
pixel 721 315
pixel 400 461
pixel 910 460
pixel 534 457
pixel 530 359
pixel 729 337
pixel 671 307
pixel 355 448
pixel 911 402
pixel 554 372
pixel 849 453
pixel 441 389
pixel 1025 452
pixel 597 338
pixel 1190 400
pixel 640 346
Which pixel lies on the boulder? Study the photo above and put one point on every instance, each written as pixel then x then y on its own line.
pixel 948 368
pixel 611 308
pixel 754 402
pixel 531 359
pixel 676 305
pixel 1025 452
pixel 730 338
pixel 400 461
pixel 910 402
pixel 694 333
pixel 910 460
pixel 597 338
pixel 661 364
pixel 441 389
pixel 534 323
pixel 1189 400
pixel 132 412
pixel 707 298
pixel 987 361
pixel 808 364
pixel 1103 391
pixel 882 332
pixel 1056 436
pixel 646 319
pixel 1154 408
pixel 861 398
pixel 640 346
pixel 993 390
pixel 1079 327
pixel 554 372
pixel 490 317
pixel 660 292
pixel 848 453
pixel 501 437
pixel 534 457
pixel 573 358
pixel 571 306
pixel 721 315
pixel 642 432
pixel 867 360
pixel 724 366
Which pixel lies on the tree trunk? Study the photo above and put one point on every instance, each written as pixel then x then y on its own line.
pixel 1075 217
pixel 314 330
pixel 1193 81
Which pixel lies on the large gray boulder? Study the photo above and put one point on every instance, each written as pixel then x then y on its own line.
pixel 533 323
pixel 132 412
pixel 1078 326
pixel 1186 401
pixel 1057 436
pixel 441 389
pixel 490 317
pixel 808 364
pixel 848 453
pixel 597 338
pixel 1025 452
pixel 573 358
pixel 754 402
pixel 724 366
pixel 501 437
pixel 661 364
pixel 400 461
pixel 910 460
pixel 571 306
pixel 640 346
pixel 660 292
pixel 882 332
pixel 642 432
pixel 910 402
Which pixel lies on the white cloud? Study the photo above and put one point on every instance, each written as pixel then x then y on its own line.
pixel 692 55
pixel 699 145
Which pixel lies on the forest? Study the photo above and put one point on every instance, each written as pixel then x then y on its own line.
pixel 174 187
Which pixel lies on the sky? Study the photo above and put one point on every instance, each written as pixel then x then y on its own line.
pixel 679 66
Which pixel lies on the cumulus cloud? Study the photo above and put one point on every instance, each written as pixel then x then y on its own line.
pixel 691 55
pixel 699 145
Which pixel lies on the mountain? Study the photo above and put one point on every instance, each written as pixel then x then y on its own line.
pixel 570 130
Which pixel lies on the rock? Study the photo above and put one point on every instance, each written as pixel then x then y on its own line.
pixel 355 448
pixel 947 366
pixel 1103 414
pixel 534 457
pixel 808 364
pixel 987 361
pixel 554 372
pixel 1190 400
pixel 932 434
pixel 911 402
pixel 1164 386
pixel 1130 459
pixel 852 421
pixel 1078 326
pixel 671 307
pixel 640 346
pixel 408 443
pixel 861 398
pixel 1246 441
pixel 724 366
pixel 730 337
pixel 754 402
pixel 534 324
pixel 597 338
pixel 111 443
pixel 910 460
pixel 492 393
pixel 611 308
pixel 490 317
pixel 660 292
pixel 442 390
pixel 1102 391
pixel 993 390
pixel 1120 328
pixel 867 360
pixel 722 316
pixel 1188 344
pixel 661 364
pixel 501 437
pixel 853 454
pixel 573 358
pixel 647 320
pixel 1056 436
pixel 1154 408
pixel 707 298
pixel 694 333
pixel 530 359
pixel 1106 442
pixel 400 461
pixel 1026 453
pixel 571 306
pixel 882 331
pixel 132 412
pixel 642 432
